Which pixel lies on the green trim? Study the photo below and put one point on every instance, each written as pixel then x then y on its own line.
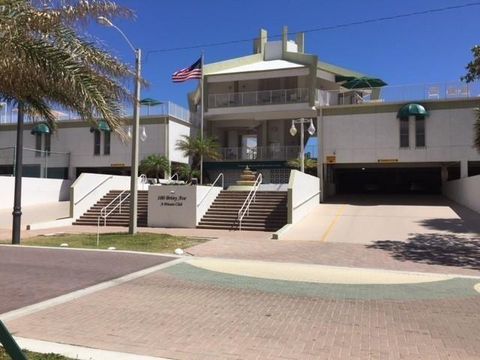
pixel 411 109
pixel 41 128
pixel 103 126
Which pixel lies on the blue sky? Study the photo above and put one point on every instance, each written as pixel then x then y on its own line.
pixel 420 49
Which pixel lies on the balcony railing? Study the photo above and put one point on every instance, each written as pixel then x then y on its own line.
pixel 8 114
pixel 264 153
pixel 400 93
pixel 252 98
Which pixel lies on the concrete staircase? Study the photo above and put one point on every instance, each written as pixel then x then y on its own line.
pixel 267 213
pixel 116 218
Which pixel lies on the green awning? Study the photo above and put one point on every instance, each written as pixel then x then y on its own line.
pixel 103 126
pixel 150 102
pixel 363 83
pixel 411 109
pixel 41 129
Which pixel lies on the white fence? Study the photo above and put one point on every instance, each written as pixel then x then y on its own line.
pixel 464 191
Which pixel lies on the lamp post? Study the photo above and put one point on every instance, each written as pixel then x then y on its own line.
pixel 293 132
pixel 132 228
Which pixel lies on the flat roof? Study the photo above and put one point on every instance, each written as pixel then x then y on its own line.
pixel 260 66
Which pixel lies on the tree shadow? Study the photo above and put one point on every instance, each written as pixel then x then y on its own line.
pixel 435 249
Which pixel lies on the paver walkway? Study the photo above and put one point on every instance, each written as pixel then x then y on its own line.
pixel 30 275
pixel 209 314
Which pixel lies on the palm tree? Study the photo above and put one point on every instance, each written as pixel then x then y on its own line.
pixel 154 165
pixel 46 61
pixel 197 147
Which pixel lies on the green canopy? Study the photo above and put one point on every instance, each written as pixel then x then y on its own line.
pixel 102 125
pixel 150 102
pixel 363 83
pixel 340 78
pixel 411 109
pixel 41 129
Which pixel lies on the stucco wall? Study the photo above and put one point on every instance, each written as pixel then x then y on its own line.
pixel 34 191
pixel 464 191
pixel 366 138
pixel 303 195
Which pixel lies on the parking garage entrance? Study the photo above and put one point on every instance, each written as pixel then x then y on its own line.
pixel 387 178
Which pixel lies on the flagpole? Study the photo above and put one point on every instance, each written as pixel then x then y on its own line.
pixel 201 121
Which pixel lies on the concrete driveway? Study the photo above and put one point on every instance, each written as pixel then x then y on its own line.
pixel 367 219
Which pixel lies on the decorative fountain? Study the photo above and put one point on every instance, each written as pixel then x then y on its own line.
pixel 246 182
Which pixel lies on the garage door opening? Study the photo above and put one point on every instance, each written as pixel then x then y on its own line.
pixel 377 180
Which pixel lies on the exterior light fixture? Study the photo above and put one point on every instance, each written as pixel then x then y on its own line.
pixel 143 135
pixel 293 131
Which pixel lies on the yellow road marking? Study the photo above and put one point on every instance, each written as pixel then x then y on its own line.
pixel 332 224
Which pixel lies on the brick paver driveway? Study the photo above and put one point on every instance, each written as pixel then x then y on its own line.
pixel 187 311
pixel 30 275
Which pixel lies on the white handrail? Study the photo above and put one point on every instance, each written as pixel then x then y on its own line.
pixel 104 214
pixel 171 177
pixel 95 188
pixel 211 187
pixel 143 180
pixel 246 204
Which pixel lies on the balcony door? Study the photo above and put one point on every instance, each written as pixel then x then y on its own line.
pixel 249 147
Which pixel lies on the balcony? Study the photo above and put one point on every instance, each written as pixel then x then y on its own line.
pixel 399 93
pixel 253 98
pixel 264 153
pixel 8 113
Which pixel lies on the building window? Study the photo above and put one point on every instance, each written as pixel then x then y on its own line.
pixel 420 131
pixel 96 142
pixel 48 144
pixel 38 145
pixel 106 143
pixel 404 133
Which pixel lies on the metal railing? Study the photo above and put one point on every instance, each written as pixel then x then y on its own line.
pixel 245 209
pixel 399 93
pixel 220 176
pixel 263 97
pixel 263 153
pixel 95 188
pixel 8 113
pixel 104 214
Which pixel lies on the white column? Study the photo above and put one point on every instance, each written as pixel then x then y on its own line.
pixel 463 169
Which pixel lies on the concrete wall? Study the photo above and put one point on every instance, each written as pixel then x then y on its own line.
pixel 34 191
pixel 179 205
pixel 175 132
pixel 368 137
pixel 89 188
pixel 464 191
pixel 303 195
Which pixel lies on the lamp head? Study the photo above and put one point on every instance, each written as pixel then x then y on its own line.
pixel 311 129
pixel 102 20
pixel 293 129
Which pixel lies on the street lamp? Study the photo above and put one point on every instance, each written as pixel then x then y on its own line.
pixel 293 132
pixel 132 228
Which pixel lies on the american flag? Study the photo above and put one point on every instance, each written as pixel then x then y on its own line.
pixel 194 71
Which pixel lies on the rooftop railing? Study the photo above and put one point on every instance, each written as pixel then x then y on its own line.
pixel 399 93
pixel 264 97
pixel 264 153
pixel 8 113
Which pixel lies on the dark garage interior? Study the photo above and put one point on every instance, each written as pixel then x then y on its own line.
pixel 391 180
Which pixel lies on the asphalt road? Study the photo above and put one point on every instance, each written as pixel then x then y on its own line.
pixel 31 275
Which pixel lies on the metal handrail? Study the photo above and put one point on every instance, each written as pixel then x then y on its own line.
pixel 143 180
pixel 250 197
pixel 95 188
pixel 104 214
pixel 211 187
pixel 171 177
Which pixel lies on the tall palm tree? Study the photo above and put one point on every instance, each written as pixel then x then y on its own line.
pixel 45 60
pixel 196 148
pixel 154 165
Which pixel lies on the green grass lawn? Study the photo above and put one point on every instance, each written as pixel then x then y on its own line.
pixel 33 356
pixel 148 242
